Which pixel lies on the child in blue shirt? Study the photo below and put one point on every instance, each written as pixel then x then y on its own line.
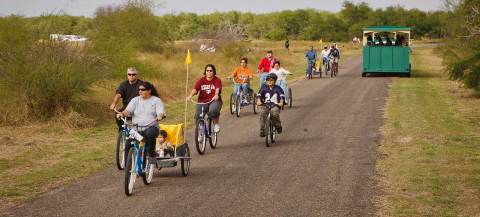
pixel 272 96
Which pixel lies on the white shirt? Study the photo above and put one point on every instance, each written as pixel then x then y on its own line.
pixel 281 74
pixel 145 111
pixel 325 53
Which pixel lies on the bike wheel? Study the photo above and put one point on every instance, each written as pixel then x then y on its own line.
pixel 290 100
pixel 238 102
pixel 273 133
pixel 213 136
pixel 232 104
pixel 130 174
pixel 200 136
pixel 255 107
pixel 185 163
pixel 267 134
pixel 120 150
pixel 148 171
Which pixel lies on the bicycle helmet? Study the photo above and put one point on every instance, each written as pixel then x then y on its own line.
pixel 272 76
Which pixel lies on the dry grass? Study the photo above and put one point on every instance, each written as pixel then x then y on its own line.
pixel 431 147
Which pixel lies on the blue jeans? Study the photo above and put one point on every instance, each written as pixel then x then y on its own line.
pixel 284 86
pixel 244 87
pixel 310 64
pixel 263 77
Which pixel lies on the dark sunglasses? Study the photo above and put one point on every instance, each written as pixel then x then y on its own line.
pixel 209 70
pixel 142 89
pixel 132 74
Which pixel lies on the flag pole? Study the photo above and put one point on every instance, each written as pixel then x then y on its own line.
pixel 188 60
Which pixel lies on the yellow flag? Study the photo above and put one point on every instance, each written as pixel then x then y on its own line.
pixel 188 60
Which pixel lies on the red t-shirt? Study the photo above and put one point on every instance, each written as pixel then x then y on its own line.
pixel 207 88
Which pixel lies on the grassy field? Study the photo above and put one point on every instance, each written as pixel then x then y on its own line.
pixel 40 157
pixel 430 155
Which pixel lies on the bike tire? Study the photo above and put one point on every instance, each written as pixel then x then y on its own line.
pixel 273 133
pixel 267 135
pixel 130 174
pixel 255 107
pixel 185 163
pixel 120 150
pixel 213 138
pixel 148 171
pixel 238 102
pixel 200 136
pixel 232 101
pixel 290 101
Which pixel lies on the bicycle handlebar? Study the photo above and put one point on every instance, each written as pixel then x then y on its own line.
pixel 201 103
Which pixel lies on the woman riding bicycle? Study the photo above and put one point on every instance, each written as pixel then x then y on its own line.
pixel 272 97
pixel 209 89
pixel 281 78
pixel 242 76
pixel 145 110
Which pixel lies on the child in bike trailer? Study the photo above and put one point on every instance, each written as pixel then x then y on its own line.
pixel 273 97
pixel 281 78
pixel 164 148
pixel 242 76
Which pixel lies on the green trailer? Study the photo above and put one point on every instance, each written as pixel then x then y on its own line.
pixel 386 50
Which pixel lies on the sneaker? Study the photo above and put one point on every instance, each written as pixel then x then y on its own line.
pixel 216 128
pixel 279 130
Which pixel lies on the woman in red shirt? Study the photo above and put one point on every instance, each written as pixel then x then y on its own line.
pixel 209 89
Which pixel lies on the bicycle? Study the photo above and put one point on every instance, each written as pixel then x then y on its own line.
pixel 311 70
pixel 334 67
pixel 237 101
pixel 120 147
pixel 203 131
pixel 271 130
pixel 138 161
pixel 326 65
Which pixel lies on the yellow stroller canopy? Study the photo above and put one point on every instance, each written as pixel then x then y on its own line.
pixel 174 133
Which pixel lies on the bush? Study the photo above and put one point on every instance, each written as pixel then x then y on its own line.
pixel 41 78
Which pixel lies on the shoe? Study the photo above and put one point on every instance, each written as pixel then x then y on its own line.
pixel 279 130
pixel 262 134
pixel 216 128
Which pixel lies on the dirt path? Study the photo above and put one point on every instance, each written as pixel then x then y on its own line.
pixel 322 165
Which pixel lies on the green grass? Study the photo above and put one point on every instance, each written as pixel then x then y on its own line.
pixel 431 148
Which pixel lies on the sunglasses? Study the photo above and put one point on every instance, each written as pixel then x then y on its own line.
pixel 132 74
pixel 142 89
pixel 209 70
pixel 270 80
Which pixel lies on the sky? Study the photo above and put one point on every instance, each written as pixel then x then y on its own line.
pixel 87 7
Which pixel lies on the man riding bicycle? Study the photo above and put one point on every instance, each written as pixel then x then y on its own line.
pixel 335 55
pixel 311 57
pixel 242 76
pixel 265 66
pixel 272 97
pixel 209 89
pixel 126 91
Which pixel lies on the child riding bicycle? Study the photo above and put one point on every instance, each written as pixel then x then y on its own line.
pixel 272 97
pixel 242 76
pixel 281 78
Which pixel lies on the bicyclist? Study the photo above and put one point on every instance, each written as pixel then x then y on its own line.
pixel 265 66
pixel 281 78
pixel 209 89
pixel 145 111
pixel 335 55
pixel 311 57
pixel 126 91
pixel 325 53
pixel 272 96
pixel 242 76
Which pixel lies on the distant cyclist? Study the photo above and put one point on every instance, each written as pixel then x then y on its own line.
pixel 242 76
pixel 281 78
pixel 265 66
pixel 311 57
pixel 272 97
pixel 335 55
pixel 325 53
pixel 209 89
